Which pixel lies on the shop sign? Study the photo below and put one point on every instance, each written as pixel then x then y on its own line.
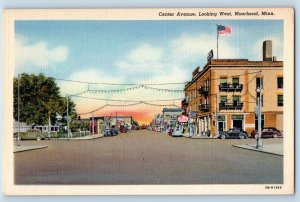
pixel 183 118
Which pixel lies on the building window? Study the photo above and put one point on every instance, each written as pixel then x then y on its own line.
pixel 279 100
pixel 258 82
pixel 223 99
pixel 280 82
pixel 236 98
pixel 235 81
pixel 262 99
pixel 262 121
pixel 223 81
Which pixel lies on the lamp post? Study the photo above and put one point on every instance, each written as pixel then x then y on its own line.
pixel 217 118
pixel 259 140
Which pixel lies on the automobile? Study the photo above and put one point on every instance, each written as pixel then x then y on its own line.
pixel 110 132
pixel 177 132
pixel 233 133
pixel 158 129
pixel 268 132
pixel 34 134
pixel 170 131
pixel 123 129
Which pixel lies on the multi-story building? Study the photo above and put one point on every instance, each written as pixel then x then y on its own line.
pixel 227 89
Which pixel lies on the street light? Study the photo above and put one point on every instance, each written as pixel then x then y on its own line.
pixel 259 140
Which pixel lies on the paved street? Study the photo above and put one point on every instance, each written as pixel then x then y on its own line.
pixel 147 157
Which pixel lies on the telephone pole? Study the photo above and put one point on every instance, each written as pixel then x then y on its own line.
pixel 68 123
pixel 18 138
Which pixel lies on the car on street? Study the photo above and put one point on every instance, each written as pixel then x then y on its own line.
pixel 169 130
pixel 159 128
pixel 233 133
pixel 177 131
pixel 110 132
pixel 268 132
pixel 34 134
pixel 123 129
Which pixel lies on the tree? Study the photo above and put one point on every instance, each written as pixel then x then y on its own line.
pixel 39 100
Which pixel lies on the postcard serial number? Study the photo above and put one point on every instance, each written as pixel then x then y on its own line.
pixel 273 187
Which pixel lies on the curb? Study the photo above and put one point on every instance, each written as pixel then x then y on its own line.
pixel 30 149
pixel 78 138
pixel 258 150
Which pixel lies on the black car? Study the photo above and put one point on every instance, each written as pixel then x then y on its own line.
pixel 110 132
pixel 233 133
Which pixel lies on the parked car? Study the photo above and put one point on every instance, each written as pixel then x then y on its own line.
pixel 34 134
pixel 233 133
pixel 170 131
pixel 268 132
pixel 110 132
pixel 123 129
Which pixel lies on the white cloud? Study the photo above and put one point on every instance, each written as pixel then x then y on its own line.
pixel 144 58
pixel 93 75
pixel 37 54
pixel 192 47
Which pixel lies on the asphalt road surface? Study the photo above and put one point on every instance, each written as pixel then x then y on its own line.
pixel 147 157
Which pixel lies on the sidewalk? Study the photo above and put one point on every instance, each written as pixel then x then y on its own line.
pixel 198 136
pixel 27 148
pixel 88 137
pixel 276 149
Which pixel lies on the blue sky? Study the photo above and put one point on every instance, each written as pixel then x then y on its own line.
pixel 105 44
pixel 135 51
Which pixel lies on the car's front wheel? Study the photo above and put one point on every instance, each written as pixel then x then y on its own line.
pixel 242 137
pixel 275 136
pixel 223 137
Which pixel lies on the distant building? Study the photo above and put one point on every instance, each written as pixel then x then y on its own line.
pixel 171 114
pixel 228 87
pixel 101 122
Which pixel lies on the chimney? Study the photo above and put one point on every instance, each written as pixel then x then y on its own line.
pixel 267 50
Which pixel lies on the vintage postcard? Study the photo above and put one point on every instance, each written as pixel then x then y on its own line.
pixel 148 101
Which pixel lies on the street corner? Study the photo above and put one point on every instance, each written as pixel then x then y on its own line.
pixel 275 149
pixel 28 148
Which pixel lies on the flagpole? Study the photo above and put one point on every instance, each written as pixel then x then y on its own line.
pixel 217 41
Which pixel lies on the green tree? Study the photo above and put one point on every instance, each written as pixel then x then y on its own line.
pixel 39 100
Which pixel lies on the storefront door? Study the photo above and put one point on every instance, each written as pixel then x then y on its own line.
pixel 221 123
pixel 237 121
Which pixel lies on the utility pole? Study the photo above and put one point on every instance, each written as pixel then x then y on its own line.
pixel 93 126
pixel 217 41
pixel 217 119
pixel 18 138
pixel 259 140
pixel 68 123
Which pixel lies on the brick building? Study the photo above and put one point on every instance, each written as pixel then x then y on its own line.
pixel 228 87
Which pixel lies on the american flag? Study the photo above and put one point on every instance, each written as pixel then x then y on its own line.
pixel 223 30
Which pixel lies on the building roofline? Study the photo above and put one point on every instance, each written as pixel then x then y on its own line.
pixel 236 62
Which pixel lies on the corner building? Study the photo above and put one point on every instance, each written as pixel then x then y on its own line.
pixel 228 87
